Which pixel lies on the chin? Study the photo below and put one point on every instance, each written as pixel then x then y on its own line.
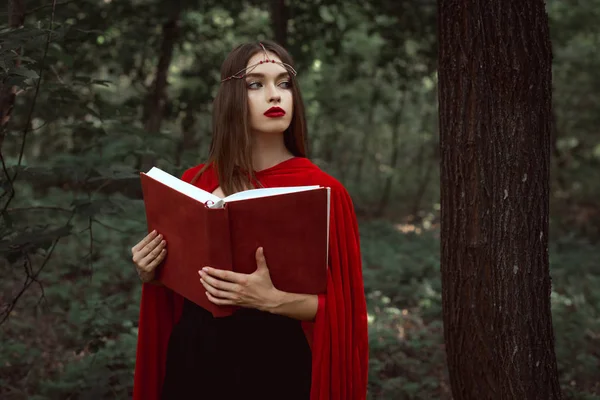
pixel 271 132
pixel 274 128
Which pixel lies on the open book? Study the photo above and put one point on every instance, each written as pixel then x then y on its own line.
pixel 212 201
pixel 201 229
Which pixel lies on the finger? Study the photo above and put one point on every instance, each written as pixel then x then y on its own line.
pixel 146 250
pixel 157 243
pixel 228 276
pixel 219 284
pixel 144 241
pixel 156 262
pixel 151 256
pixel 220 302
pixel 261 261
pixel 220 294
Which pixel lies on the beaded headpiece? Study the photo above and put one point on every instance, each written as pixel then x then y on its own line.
pixel 242 73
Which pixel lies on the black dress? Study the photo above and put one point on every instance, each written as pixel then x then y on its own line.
pixel 249 355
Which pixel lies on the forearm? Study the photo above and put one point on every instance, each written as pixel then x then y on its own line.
pixel 299 306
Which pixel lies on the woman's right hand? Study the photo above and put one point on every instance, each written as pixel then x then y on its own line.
pixel 148 254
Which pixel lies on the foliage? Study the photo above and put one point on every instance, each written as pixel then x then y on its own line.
pixel 406 334
pixel 76 138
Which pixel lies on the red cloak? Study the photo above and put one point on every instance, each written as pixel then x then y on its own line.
pixel 338 335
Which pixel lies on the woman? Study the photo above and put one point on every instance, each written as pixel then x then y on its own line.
pixel 279 345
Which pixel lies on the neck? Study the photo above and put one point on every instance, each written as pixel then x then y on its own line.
pixel 268 149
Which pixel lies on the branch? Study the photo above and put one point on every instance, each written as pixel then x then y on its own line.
pixel 113 228
pixel 11 192
pixel 43 180
pixel 39 208
pixel 34 10
pixel 33 102
pixel 31 278
pixel 91 224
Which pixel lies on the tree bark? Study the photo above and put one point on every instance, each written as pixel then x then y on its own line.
pixel 279 20
pixel 188 134
pixel 427 164
pixel 365 145
pixel 386 192
pixel 495 113
pixel 16 18
pixel 157 98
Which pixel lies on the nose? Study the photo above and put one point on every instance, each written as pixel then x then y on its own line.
pixel 273 95
pixel 275 99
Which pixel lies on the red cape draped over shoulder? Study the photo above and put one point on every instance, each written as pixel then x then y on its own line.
pixel 338 335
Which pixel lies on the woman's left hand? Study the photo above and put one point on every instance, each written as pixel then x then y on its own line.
pixel 253 290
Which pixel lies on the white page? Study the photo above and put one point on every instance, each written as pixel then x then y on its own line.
pixel 262 192
pixel 181 186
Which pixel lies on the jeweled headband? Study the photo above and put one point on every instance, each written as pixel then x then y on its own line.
pixel 242 73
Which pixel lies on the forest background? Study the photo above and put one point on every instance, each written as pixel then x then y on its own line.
pixel 107 88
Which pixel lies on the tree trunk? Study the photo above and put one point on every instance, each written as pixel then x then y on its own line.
pixel 365 145
pixel 423 180
pixel 386 192
pixel 330 141
pixel 560 162
pixel 157 98
pixel 188 134
pixel 279 19
pixel 495 112
pixel 16 17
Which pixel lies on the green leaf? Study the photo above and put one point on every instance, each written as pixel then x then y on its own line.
pixel 31 240
pixel 22 71
pixel 27 59
pixel 101 82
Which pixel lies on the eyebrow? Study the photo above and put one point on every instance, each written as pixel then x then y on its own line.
pixel 259 75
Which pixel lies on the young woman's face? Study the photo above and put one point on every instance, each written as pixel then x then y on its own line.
pixel 270 100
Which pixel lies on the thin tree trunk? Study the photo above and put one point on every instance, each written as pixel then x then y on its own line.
pixel 365 145
pixel 279 20
pixel 424 181
pixel 329 141
pixel 157 98
pixel 559 160
pixel 386 192
pixel 16 18
pixel 495 112
pixel 188 140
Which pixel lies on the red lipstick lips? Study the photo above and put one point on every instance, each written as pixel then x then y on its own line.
pixel 275 112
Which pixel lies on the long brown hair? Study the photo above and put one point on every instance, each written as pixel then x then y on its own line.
pixel 231 146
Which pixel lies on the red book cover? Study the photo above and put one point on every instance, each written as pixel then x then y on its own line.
pixel 291 224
